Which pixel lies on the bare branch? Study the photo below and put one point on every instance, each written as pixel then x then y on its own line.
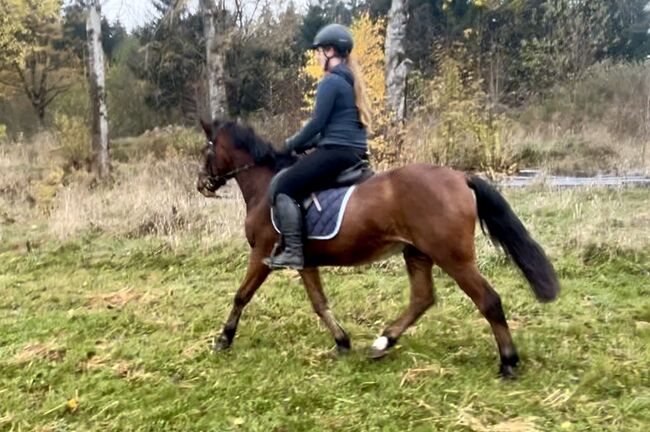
pixel 54 94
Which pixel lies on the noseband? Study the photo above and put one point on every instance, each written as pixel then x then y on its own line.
pixel 214 182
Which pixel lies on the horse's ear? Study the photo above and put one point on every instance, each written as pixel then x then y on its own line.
pixel 207 128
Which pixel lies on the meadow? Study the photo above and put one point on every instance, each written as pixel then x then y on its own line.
pixel 111 294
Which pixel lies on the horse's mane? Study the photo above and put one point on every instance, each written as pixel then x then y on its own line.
pixel 244 138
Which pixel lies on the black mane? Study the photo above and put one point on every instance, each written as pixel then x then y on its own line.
pixel 244 138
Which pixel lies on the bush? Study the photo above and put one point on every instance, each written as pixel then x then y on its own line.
pixel 161 143
pixel 598 124
pixel 455 126
pixel 74 143
pixel 616 95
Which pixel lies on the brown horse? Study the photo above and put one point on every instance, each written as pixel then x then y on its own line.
pixel 425 212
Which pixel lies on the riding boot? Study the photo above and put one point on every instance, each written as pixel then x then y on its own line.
pixel 290 221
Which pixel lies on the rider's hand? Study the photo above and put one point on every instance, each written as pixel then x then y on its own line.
pixel 286 152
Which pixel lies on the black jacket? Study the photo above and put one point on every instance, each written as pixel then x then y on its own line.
pixel 335 116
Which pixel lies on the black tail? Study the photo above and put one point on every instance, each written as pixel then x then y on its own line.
pixel 506 229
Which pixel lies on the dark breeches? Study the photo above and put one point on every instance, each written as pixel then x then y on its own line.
pixel 317 170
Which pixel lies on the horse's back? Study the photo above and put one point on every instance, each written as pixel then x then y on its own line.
pixel 415 182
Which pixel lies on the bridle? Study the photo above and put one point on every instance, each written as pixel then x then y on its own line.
pixel 214 181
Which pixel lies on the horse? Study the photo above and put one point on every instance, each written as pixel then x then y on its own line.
pixel 427 213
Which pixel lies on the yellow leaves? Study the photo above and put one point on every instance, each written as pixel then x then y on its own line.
pixel 467 133
pixel 72 405
pixel 20 9
pixel 312 72
pixel 312 68
pixel 369 53
pixel 15 19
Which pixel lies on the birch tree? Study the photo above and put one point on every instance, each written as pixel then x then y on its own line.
pixel 97 90
pixel 216 44
pixel 397 65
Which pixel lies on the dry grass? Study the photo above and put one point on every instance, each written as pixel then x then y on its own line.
pixel 49 351
pixel 587 218
pixel 587 149
pixel 153 196
pixel 22 165
pixel 595 125
pixel 157 197
pixel 149 198
pixel 114 300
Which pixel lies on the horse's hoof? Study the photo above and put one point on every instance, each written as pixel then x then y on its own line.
pixel 507 372
pixel 379 347
pixel 220 343
pixel 376 354
pixel 343 347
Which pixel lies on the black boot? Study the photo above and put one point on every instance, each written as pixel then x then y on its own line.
pixel 290 220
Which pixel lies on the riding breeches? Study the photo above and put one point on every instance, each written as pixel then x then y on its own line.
pixel 317 170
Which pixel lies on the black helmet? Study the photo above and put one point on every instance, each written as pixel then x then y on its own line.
pixel 336 36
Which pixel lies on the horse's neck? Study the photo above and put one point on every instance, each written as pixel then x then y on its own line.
pixel 254 185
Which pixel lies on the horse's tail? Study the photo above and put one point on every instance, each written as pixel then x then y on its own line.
pixel 505 229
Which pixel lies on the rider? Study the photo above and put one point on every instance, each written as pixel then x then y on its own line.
pixel 342 117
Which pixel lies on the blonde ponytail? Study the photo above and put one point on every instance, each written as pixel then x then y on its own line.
pixel 361 95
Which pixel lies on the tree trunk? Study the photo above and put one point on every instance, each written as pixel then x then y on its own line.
pixel 97 90
pixel 397 66
pixel 216 42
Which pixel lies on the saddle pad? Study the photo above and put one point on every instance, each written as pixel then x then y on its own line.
pixel 324 224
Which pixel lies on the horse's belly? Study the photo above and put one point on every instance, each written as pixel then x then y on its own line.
pixel 358 254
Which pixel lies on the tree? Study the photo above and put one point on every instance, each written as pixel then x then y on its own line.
pixel 171 60
pixel 574 34
pixel 74 31
pixel 217 40
pixel 97 90
pixel 36 62
pixel 319 15
pixel 397 66
pixel 13 25
pixel 263 64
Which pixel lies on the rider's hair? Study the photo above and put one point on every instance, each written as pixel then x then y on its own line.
pixel 360 94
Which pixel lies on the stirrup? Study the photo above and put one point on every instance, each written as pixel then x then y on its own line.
pixel 271 262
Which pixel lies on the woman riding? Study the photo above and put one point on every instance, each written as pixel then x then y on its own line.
pixel 338 129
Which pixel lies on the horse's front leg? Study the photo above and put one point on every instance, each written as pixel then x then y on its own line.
pixel 314 287
pixel 255 276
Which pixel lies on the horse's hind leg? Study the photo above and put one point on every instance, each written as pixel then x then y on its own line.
pixel 488 302
pixel 419 268
pixel 311 280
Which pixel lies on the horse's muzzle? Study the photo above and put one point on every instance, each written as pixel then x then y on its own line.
pixel 205 185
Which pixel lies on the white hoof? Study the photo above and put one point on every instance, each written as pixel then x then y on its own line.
pixel 380 344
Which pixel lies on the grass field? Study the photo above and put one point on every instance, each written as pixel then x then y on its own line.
pixel 111 332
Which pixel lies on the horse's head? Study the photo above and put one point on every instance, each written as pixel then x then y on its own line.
pixel 220 160
pixel 232 148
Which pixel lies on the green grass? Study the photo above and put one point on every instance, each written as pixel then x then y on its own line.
pixel 103 333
